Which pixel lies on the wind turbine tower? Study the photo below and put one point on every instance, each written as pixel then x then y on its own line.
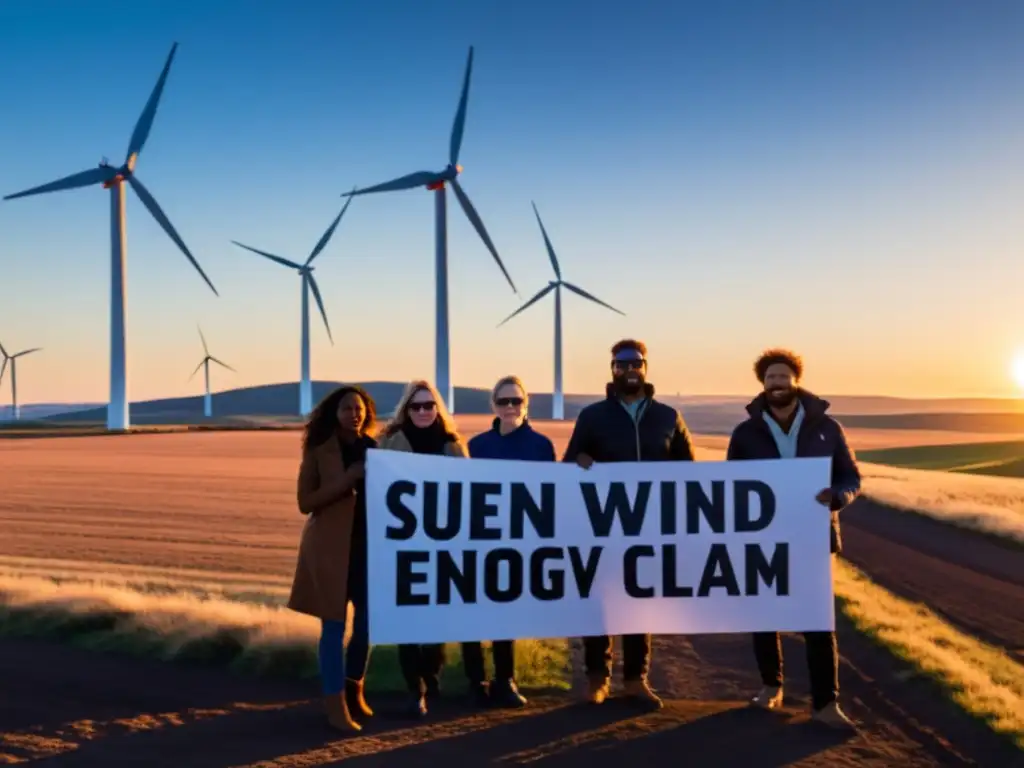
pixel 205 365
pixel 115 180
pixel 436 182
pixel 13 361
pixel 308 284
pixel 556 285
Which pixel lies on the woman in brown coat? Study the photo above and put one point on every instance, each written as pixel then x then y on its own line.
pixel 331 568
pixel 422 424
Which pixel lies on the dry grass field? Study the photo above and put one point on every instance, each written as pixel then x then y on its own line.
pixel 186 541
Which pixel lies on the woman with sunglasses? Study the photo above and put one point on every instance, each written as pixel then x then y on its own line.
pixel 422 424
pixel 510 437
pixel 331 568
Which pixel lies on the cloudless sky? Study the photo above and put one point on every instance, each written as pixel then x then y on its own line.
pixel 846 178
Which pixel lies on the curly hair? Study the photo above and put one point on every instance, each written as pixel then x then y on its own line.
pixel 636 344
pixel 323 419
pixel 401 410
pixel 775 356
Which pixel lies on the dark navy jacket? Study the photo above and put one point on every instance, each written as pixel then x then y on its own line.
pixel 820 435
pixel 524 443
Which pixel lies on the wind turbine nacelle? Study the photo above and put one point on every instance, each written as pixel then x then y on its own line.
pixel 116 180
pixel 448 174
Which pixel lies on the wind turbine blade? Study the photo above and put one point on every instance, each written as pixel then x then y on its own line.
pixel 585 295
pixel 547 243
pixel 223 364
pixel 279 259
pixel 411 181
pixel 145 122
pixel 197 369
pixel 320 304
pixel 3 367
pixel 460 114
pixel 163 221
pixel 327 235
pixel 26 352
pixel 203 339
pixel 478 225
pixel 3 352
pixel 540 295
pixel 74 181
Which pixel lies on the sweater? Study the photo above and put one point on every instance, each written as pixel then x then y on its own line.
pixel 524 443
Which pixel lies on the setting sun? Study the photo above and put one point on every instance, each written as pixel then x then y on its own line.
pixel 1017 369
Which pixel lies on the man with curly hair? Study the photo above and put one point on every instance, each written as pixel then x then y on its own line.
pixel 628 425
pixel 786 421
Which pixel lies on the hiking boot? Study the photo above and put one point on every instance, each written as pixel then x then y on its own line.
pixel 417 706
pixel 479 695
pixel 832 716
pixel 769 697
pixel 354 697
pixel 433 690
pixel 639 692
pixel 598 690
pixel 505 695
pixel 338 716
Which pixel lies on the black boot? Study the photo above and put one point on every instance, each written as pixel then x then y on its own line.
pixel 417 706
pixel 505 694
pixel 479 695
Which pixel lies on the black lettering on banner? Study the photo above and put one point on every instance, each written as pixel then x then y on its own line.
pixel 668 508
pixel 774 571
pixel 584 573
pixel 713 509
pixel 449 575
pixel 399 511
pixel 492 588
pixel 718 558
pixel 431 511
pixel 538 588
pixel 629 570
pixel 542 516
pixel 670 573
pixel 741 494
pixel 631 516
pixel 480 509
pixel 406 577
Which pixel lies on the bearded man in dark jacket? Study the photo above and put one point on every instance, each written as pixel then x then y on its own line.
pixel 785 422
pixel 628 425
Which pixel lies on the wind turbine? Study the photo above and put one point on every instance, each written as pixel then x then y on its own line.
pixel 556 285
pixel 308 284
pixel 114 179
pixel 205 363
pixel 436 182
pixel 13 360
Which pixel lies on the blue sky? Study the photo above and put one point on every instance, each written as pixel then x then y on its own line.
pixel 846 178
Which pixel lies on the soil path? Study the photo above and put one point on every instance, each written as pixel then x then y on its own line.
pixel 65 707
pixel 973 581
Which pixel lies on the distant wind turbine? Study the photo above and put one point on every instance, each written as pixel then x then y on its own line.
pixel 436 182
pixel 114 179
pixel 205 364
pixel 308 284
pixel 556 285
pixel 13 360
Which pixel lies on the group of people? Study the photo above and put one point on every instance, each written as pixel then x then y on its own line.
pixel 784 421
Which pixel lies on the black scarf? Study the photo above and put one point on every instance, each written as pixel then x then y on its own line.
pixel 432 439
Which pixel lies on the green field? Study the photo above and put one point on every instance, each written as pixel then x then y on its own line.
pixel 1005 459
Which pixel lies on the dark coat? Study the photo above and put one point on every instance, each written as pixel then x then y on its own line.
pixel 820 435
pixel 605 431
pixel 524 443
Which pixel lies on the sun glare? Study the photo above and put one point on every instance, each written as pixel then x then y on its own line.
pixel 1017 369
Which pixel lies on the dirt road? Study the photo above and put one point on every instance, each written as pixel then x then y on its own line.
pixel 974 581
pixel 66 707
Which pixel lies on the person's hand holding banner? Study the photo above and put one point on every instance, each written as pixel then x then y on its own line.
pixel 584 460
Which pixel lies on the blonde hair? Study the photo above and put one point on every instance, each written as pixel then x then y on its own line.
pixel 402 409
pixel 505 381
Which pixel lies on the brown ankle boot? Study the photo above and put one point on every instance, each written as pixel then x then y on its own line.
pixel 356 700
pixel 338 716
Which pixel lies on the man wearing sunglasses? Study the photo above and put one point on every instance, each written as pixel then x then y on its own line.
pixel 628 425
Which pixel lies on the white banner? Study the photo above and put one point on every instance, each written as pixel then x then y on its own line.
pixel 482 549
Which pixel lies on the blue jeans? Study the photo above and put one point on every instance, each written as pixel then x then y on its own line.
pixel 336 662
